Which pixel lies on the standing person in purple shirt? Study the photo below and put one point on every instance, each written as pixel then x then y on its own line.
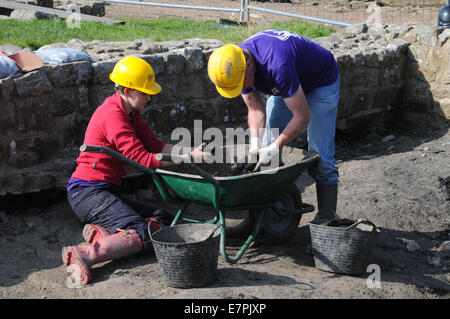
pixel 302 81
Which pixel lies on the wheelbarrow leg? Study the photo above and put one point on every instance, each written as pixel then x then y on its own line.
pixel 180 212
pixel 247 243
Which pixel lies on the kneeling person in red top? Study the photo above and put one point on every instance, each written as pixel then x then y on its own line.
pixel 116 227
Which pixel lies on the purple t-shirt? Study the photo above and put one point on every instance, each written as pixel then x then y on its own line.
pixel 285 60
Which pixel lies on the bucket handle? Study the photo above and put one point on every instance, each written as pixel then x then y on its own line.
pixel 214 231
pixel 375 229
pixel 149 229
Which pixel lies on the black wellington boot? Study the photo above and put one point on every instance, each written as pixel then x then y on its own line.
pixel 326 202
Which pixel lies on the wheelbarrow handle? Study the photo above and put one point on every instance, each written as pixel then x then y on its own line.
pixel 178 159
pixel 116 155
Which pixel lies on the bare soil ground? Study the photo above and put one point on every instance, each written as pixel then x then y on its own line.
pixel 398 185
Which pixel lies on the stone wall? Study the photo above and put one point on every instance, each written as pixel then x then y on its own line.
pixel 45 112
pixel 427 87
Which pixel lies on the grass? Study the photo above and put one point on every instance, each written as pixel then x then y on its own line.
pixel 38 33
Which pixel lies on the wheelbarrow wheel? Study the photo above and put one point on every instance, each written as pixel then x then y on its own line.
pixel 278 229
pixel 275 229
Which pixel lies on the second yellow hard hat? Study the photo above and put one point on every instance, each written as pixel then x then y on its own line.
pixel 226 69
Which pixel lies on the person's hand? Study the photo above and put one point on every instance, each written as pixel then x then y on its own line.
pixel 198 156
pixel 267 154
pixel 252 157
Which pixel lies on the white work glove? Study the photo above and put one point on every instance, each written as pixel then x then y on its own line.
pixel 198 156
pixel 252 156
pixel 267 154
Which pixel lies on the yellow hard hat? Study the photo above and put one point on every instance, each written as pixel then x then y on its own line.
pixel 135 73
pixel 226 69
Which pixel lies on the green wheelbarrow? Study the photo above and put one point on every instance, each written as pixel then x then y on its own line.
pixel 270 196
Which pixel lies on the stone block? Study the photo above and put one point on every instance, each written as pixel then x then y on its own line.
pixel 386 56
pixel 6 89
pixel 101 71
pixel 157 63
pixel 148 47
pixel 382 97
pixel 358 58
pixel 175 63
pixel 41 3
pixel 68 100
pixel 68 131
pixel 30 15
pixel 69 74
pixel 27 150
pixel 32 113
pixel 389 75
pixel 12 184
pixel 7 117
pixel 170 92
pixel 34 83
pixel 372 60
pixel 426 35
pixel 190 87
pixel 344 61
pixel 39 181
pixel 361 99
pixel 194 59
pixel 97 94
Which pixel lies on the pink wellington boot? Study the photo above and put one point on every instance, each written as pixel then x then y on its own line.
pixel 118 245
pixel 92 232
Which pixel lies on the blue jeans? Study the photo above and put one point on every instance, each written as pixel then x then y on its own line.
pixel 103 206
pixel 322 103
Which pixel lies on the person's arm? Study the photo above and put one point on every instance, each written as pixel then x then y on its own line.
pixel 256 122
pixel 256 113
pixel 298 105
pixel 195 155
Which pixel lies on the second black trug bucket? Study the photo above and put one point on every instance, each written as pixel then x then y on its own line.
pixel 188 254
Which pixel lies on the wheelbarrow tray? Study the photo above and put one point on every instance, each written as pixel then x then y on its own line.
pixel 252 189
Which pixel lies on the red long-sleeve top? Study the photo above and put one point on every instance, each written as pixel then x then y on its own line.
pixel 128 134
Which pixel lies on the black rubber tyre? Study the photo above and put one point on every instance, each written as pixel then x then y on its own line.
pixel 277 229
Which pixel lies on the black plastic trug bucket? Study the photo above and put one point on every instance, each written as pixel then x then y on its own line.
pixel 343 246
pixel 188 254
